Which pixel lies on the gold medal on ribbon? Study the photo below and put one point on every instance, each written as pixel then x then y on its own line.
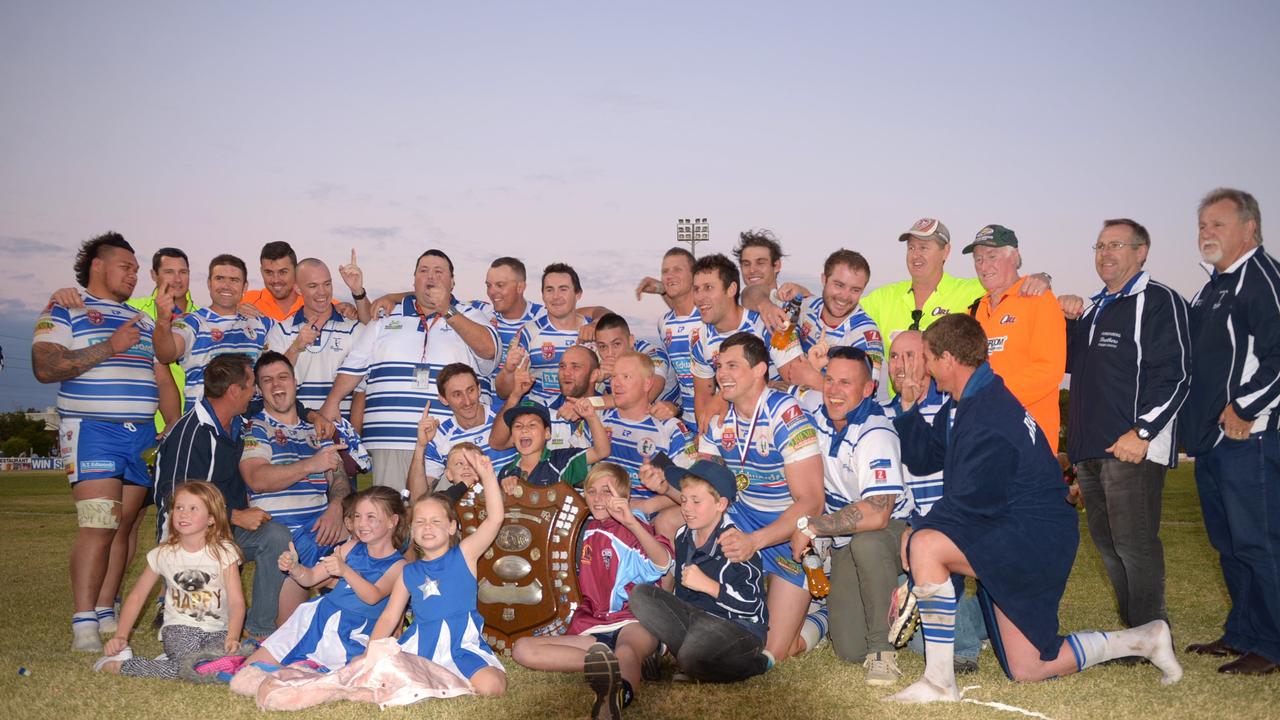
pixel 743 482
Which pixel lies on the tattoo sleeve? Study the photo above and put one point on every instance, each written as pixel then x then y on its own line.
pixel 54 363
pixel 339 485
pixel 851 518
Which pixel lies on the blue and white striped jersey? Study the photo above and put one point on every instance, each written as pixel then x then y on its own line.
pixel 706 346
pixel 631 442
pixel 860 461
pixel 206 335
pixel 281 444
pixel 449 433
pixel 121 388
pixel 857 330
pixel 925 490
pixel 545 344
pixel 756 447
pixel 318 363
pixel 676 332
pixel 507 331
pixel 400 356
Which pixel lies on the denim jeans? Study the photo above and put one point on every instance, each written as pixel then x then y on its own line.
pixel 971 629
pixel 1122 504
pixel 707 647
pixel 263 547
pixel 1239 486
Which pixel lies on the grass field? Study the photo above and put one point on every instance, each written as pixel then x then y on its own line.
pixel 38 517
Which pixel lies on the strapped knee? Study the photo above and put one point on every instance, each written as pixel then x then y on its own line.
pixel 98 513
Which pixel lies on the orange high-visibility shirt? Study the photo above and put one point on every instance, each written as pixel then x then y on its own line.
pixel 266 302
pixel 1027 348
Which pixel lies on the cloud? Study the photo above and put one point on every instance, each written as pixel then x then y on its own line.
pixel 366 232
pixel 323 192
pixel 12 245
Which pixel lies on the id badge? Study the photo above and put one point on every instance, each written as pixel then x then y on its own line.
pixel 422 377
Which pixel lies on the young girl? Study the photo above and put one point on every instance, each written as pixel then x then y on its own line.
pixel 619 551
pixel 441 588
pixel 332 630
pixel 204 602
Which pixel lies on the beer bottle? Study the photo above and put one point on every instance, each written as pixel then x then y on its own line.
pixel 782 339
pixel 819 586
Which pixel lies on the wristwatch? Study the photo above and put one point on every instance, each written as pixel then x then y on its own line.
pixel 360 296
pixel 449 313
pixel 803 526
pixel 1143 433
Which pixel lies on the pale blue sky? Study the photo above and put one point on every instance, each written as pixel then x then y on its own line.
pixel 580 132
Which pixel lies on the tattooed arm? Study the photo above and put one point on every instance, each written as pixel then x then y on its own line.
pixel 862 516
pixel 53 363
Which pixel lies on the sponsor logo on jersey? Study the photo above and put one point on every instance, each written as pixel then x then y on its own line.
pixel 548 351
pixel 1007 320
pixel 666 338
pixel 938 311
pixel 872 336
pixel 94 316
pixel 728 438
pixel 882 475
pixel 879 463
pixel 96 466
pixel 693 337
pixel 280 438
pixel 216 334
pixel 803 439
pixel 762 445
pixel 995 344
pixel 791 413
pixel 394 325
pixel 647 446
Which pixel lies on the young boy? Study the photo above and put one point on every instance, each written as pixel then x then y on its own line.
pixel 715 623
pixel 536 465
pixel 619 553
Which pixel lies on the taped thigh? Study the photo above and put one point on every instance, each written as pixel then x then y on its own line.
pixel 98 513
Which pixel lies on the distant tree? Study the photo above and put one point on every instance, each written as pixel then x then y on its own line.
pixel 13 447
pixel 27 433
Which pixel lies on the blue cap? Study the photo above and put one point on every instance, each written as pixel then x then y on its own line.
pixel 713 472
pixel 540 410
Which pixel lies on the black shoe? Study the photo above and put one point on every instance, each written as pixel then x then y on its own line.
pixel 965 666
pixel 1217 648
pixel 1249 664
pixel 651 666
pixel 604 675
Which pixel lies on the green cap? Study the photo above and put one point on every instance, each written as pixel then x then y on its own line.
pixel 992 236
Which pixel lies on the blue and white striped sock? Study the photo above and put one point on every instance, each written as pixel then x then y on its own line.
pixel 104 613
pixel 937 603
pixel 814 628
pixel 83 619
pixel 1089 647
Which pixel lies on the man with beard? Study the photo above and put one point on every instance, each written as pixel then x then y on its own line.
pixel 579 368
pixel 677 327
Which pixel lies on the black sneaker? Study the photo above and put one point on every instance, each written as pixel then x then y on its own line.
pixel 965 665
pixel 651 666
pixel 604 675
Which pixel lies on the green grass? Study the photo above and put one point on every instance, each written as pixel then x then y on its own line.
pixel 38 517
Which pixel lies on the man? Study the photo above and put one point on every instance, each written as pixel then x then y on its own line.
pixel 863 480
pixel 169 268
pixel 1026 334
pixel 279 298
pixel 471 422
pixel 677 326
pixel 294 476
pixel 759 254
pixel 1004 520
pixel 636 435
pixel 505 283
pixel 317 338
pixel 219 329
pixel 1130 362
pixel 715 291
pixel 1231 421
pixel 613 338
pixel 579 367
pixel 102 355
pixel 401 354
pixel 771 446
pixel 207 444
pixel 543 340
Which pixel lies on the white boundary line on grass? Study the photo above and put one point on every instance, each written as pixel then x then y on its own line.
pixel 999 706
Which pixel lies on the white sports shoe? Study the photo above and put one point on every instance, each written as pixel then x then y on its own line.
pixel 882 668
pixel 84 638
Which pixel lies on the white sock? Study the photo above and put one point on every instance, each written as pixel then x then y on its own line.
pixel 814 629
pixel 937 603
pixel 1151 641
pixel 104 613
pixel 1090 648
pixel 86 619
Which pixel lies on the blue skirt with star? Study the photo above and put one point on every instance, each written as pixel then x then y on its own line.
pixel 447 629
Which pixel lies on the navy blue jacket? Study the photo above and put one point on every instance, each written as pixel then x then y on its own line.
pixel 741 597
pixel 1130 362
pixel 1235 340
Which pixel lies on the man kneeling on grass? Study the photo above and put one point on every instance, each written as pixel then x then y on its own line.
pixel 619 554
pixel 1004 519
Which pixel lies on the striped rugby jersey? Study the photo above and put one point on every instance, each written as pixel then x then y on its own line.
pixel 706 342
pixel 676 333
pixel 388 352
pixel 782 433
pixel 859 462
pixel 545 344
pixel 507 331
pixel 449 433
pixel 280 444
pixel 857 330
pixel 631 442
pixel 318 363
pixel 927 489
pixel 206 335
pixel 120 389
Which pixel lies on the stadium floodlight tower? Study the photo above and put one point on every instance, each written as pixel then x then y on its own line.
pixel 693 232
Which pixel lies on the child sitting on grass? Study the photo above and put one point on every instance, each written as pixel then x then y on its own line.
pixel 204 602
pixel 715 623
pixel 331 630
pixel 619 552
pixel 447 628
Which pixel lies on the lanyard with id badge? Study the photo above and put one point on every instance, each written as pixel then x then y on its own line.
pixel 422 371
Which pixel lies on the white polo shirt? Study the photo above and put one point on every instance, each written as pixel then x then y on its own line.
pixel 318 363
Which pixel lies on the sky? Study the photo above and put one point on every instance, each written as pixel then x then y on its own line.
pixel 581 132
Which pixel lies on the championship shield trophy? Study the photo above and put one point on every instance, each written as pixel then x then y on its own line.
pixel 528 582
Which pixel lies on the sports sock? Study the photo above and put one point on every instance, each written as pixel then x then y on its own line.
pixel 104 613
pixel 1090 648
pixel 814 628
pixel 82 618
pixel 937 603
